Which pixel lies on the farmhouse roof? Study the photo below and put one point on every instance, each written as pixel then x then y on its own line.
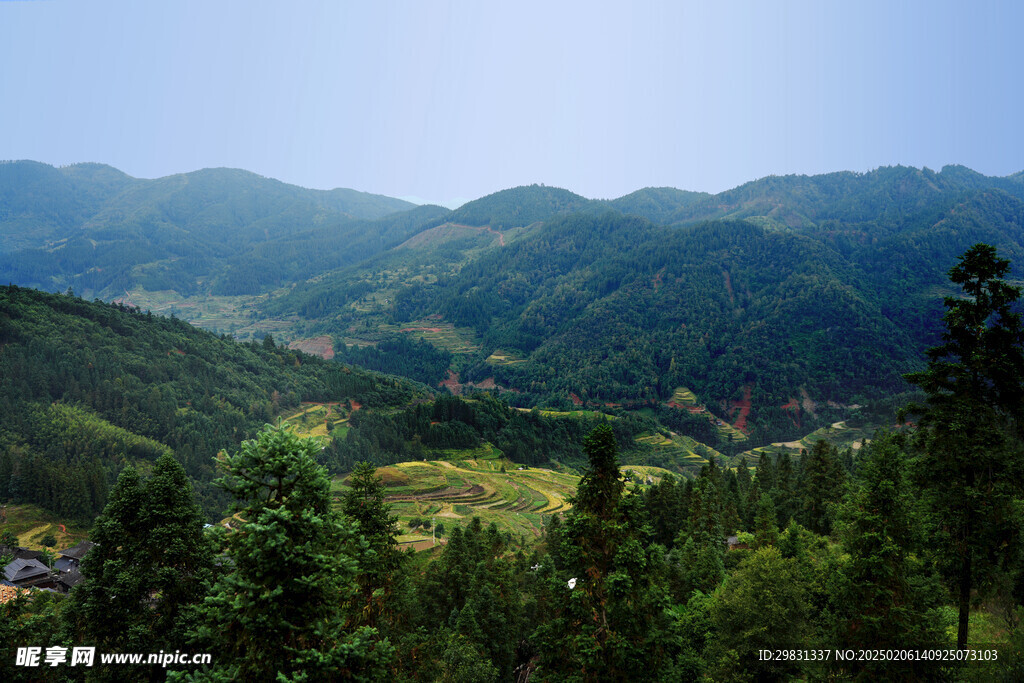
pixel 69 578
pixel 20 553
pixel 25 570
pixel 78 551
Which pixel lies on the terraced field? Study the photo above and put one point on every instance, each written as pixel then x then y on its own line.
pixel 439 333
pixel 500 357
pixel 313 419
pixel 838 434
pixel 686 453
pixel 221 314
pixel 31 523
pixel 685 399
pixel 451 493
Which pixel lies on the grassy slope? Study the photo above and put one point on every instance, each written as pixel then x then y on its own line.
pixel 30 523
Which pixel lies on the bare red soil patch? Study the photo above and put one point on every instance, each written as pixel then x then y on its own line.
pixel 452 382
pixel 743 405
pixel 322 346
pixel 576 401
pixel 793 406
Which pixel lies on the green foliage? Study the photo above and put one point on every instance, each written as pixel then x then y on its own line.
pixel 880 597
pixel 821 488
pixel 604 607
pixel 763 605
pixel 364 505
pixel 969 462
pixel 76 413
pixel 150 565
pixel 278 613
pixel 117 232
pixel 397 354
pixel 474 591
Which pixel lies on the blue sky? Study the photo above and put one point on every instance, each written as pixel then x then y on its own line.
pixel 448 100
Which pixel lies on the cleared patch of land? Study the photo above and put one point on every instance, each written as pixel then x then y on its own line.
pixel 838 434
pixel 326 420
pixel 683 452
pixel 451 493
pixel 221 314
pixel 31 524
pixel 499 357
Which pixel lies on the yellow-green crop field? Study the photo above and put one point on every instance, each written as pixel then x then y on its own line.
pixel 687 453
pixel 500 357
pixel 452 493
pixel 31 523
pixel 684 396
pixel 838 434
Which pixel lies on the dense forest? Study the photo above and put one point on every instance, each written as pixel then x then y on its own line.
pixel 898 561
pixel 826 287
pixel 88 388
pixel 830 285
pixel 93 228
pixel 545 330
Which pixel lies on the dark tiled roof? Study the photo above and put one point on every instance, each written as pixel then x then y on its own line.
pixel 69 578
pixel 23 570
pixel 20 553
pixel 78 551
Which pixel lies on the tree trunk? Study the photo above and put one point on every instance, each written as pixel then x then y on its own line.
pixel 965 600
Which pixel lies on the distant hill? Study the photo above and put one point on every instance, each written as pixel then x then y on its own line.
pixel 794 294
pixel 101 232
pixel 86 388
pixel 807 292
pixel 520 206
pixel 656 204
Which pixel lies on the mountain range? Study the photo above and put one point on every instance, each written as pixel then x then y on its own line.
pixel 785 300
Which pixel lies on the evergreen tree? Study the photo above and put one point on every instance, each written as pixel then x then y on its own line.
pixel 877 601
pixel 364 505
pixel 278 615
pixel 763 605
pixel 606 610
pixel 970 465
pixel 150 564
pixel 822 487
pixel 766 531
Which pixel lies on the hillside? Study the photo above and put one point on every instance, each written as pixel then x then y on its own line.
pixel 86 388
pixel 807 293
pixel 101 232
pixel 785 301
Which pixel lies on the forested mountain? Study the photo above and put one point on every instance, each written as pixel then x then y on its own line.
pixel 93 228
pixel 792 292
pixel 825 288
pixel 88 388
pixel 656 204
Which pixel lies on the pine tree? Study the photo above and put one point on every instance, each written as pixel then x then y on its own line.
pixel 766 531
pixel 970 465
pixel 364 504
pixel 278 614
pixel 606 610
pixel 821 487
pixel 150 565
pixel 876 599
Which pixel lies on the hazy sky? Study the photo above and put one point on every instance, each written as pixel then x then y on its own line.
pixel 446 100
